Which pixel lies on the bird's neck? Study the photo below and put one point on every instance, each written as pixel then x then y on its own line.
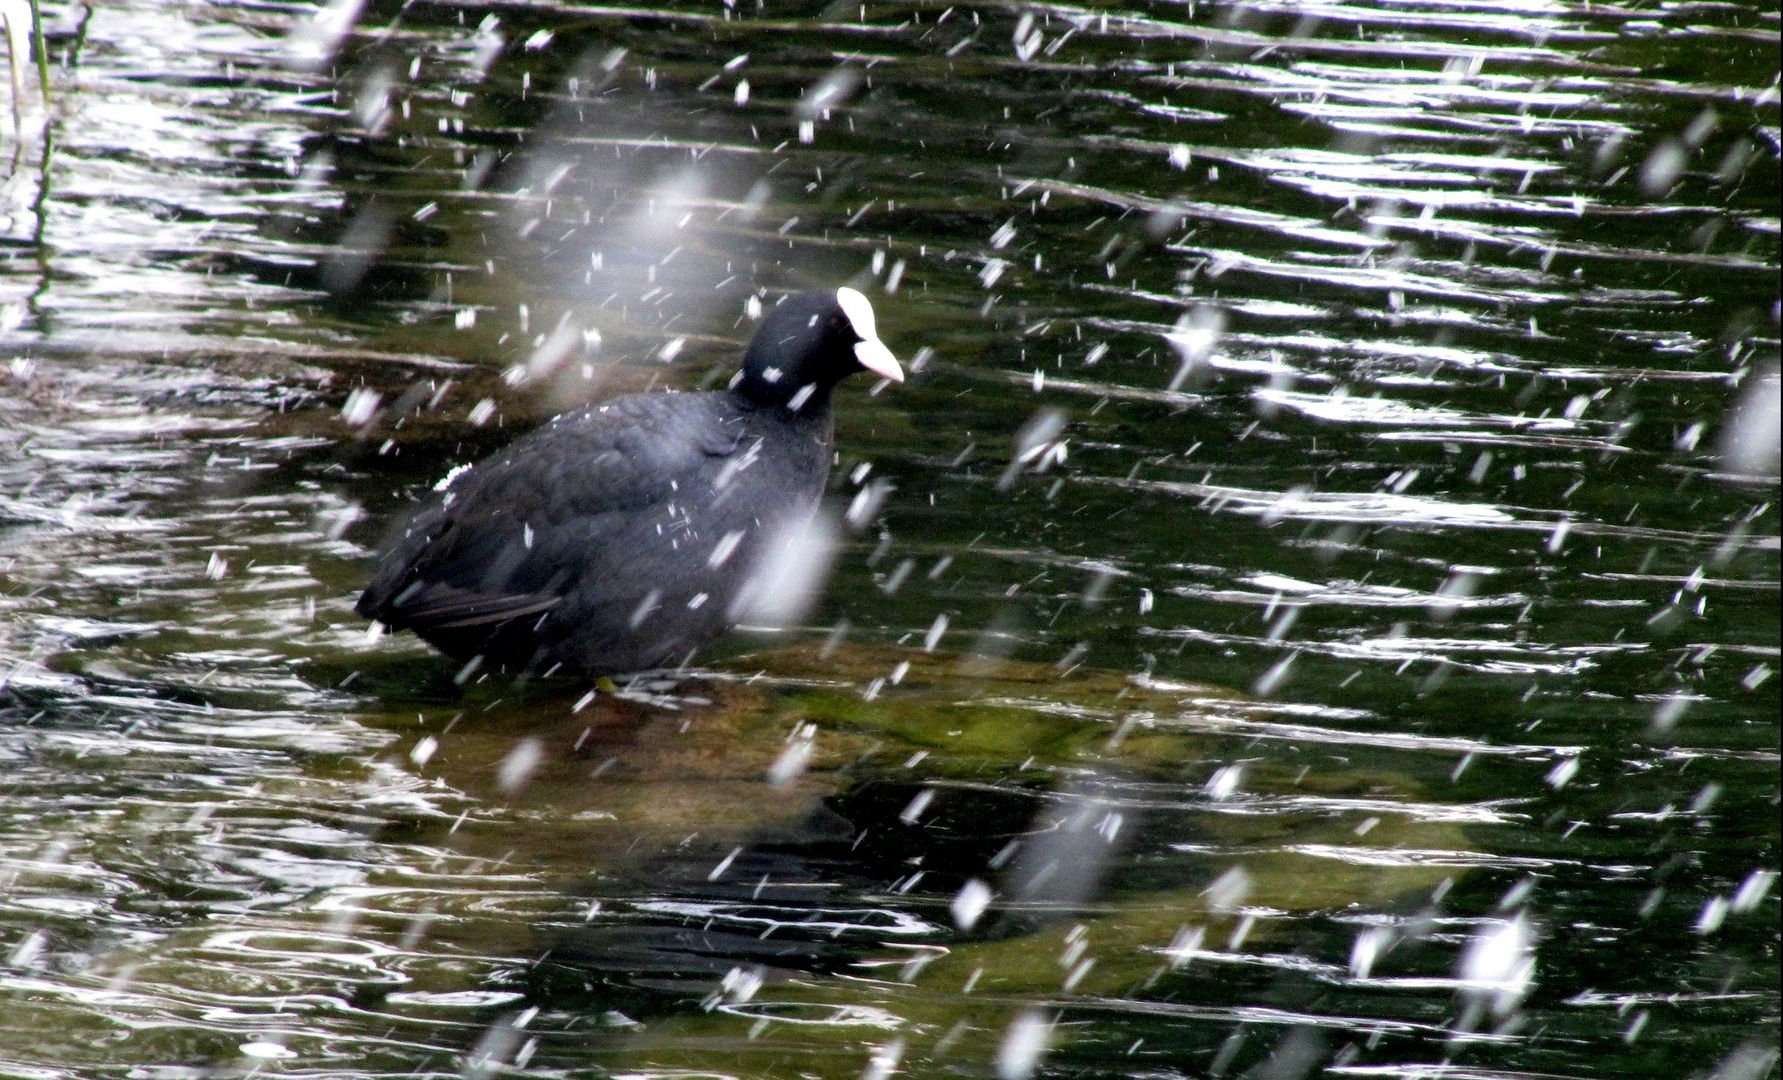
pixel 792 403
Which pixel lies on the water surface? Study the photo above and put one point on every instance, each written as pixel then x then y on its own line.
pixel 1312 611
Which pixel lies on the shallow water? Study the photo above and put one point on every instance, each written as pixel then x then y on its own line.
pixel 1312 611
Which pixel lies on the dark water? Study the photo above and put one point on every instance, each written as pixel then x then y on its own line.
pixel 1318 594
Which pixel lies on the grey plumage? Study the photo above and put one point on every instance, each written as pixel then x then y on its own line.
pixel 617 537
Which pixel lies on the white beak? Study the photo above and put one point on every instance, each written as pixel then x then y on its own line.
pixel 870 351
pixel 878 359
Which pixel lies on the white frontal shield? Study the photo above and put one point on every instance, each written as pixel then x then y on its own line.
pixel 870 351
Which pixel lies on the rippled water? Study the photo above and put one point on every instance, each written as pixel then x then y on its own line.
pixel 1313 611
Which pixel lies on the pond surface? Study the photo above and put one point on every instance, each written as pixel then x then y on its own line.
pixel 1312 611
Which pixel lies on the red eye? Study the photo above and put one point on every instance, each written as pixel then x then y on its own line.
pixel 835 322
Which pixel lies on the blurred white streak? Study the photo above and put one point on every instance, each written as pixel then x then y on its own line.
pixel 1024 1044
pixel 1499 964
pixel 496 1045
pixel 1274 677
pixel 1028 37
pixel 1097 590
pixel 336 522
pixel 371 98
pixel 1753 890
pixel 361 406
pixel 553 351
pixel 1749 1061
pixel 866 503
pixel 668 204
pixel 726 546
pixel 1295 1057
pixel 20 22
pixel 789 574
pixel 1224 782
pixel 487 46
pixel 724 864
pixel 1037 442
pixel 832 90
pixel 741 984
pixel 1194 338
pixel 1463 581
pixel 1229 890
pixel 933 637
pixel 522 761
pixel 362 243
pixel 1557 538
pixel 919 803
pixel 312 45
pixel 791 763
pixel 478 170
pixel 1662 168
pixel 969 903
pixel 1071 846
pixel 1749 439
pixel 28 949
pixel 1368 947
pixel 1669 711
pixel 884 1061
pixel 1186 945
pixel 1162 222
pixel 1713 914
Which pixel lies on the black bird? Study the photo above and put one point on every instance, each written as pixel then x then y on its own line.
pixel 619 537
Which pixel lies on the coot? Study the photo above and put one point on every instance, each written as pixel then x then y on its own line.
pixel 617 537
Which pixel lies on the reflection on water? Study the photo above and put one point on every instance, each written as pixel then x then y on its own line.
pixel 1312 611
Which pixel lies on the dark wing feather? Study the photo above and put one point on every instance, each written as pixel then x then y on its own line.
pixel 447 607
pixel 510 537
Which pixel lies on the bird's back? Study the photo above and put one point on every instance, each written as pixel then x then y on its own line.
pixel 614 538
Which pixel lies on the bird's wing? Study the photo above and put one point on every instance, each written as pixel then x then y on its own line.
pixel 511 536
pixel 448 607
